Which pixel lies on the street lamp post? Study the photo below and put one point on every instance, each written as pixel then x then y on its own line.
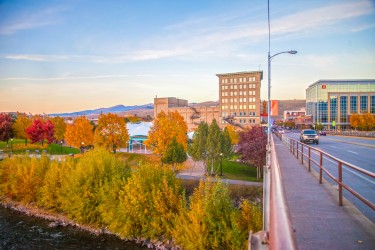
pixel 61 143
pixel 11 145
pixel 83 151
pixel 266 175
pixel 221 164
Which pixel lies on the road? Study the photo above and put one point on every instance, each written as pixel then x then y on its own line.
pixel 357 151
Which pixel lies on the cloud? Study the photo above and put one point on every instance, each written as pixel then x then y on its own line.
pixel 27 21
pixel 61 78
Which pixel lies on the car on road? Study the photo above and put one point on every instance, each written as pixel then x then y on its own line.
pixel 322 133
pixel 309 135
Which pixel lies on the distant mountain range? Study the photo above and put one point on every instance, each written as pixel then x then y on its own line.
pixel 114 109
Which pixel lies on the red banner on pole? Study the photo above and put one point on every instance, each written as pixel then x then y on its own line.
pixel 274 108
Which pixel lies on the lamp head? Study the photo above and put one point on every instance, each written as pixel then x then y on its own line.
pixel 293 52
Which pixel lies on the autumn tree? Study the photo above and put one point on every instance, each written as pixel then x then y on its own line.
pixel 232 133
pixel 111 132
pixel 252 147
pixel 167 126
pixel 367 122
pixel 80 133
pixel 319 127
pixel 175 153
pixel 60 127
pixel 40 130
pixel 132 119
pixel 355 120
pixel 6 130
pixel 20 126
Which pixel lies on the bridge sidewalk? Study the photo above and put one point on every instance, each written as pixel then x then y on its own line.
pixel 318 220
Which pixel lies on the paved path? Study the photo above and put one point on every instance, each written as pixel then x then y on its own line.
pixel 196 171
pixel 319 221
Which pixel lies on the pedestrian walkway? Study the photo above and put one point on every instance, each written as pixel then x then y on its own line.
pixel 319 222
pixel 196 171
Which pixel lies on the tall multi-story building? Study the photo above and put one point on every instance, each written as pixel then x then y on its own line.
pixel 239 102
pixel 331 102
pixel 239 98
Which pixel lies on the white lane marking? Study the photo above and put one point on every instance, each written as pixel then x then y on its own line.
pixel 345 168
pixel 333 147
pixel 352 152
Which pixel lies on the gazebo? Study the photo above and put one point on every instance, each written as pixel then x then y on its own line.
pixel 138 133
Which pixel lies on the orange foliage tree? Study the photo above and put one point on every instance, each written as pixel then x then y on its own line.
pixel 355 120
pixel 60 127
pixel 80 132
pixel 167 126
pixel 111 132
pixel 20 126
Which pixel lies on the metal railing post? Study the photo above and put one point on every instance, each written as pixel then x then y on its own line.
pixel 320 168
pixel 309 153
pixel 302 153
pixel 340 183
pixel 297 150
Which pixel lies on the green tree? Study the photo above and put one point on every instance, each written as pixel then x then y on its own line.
pixel 210 143
pixel 197 150
pixel 175 153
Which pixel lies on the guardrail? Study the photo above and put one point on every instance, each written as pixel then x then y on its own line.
pixel 299 150
pixel 278 234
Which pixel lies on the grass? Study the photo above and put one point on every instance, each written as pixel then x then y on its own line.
pixel 18 147
pixel 239 171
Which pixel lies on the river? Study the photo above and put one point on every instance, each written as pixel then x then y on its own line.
pixel 19 231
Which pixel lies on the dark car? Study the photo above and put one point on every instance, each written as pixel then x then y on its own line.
pixel 323 133
pixel 309 135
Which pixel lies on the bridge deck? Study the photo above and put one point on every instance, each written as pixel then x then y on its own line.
pixel 319 221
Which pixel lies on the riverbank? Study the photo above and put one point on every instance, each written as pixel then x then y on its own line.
pixel 59 220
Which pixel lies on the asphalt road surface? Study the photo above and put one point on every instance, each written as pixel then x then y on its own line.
pixel 357 151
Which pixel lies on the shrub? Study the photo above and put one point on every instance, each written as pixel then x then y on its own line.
pixel 21 177
pixel 149 203
pixel 209 222
pixel 89 185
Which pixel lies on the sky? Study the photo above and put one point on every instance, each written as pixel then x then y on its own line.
pixel 72 55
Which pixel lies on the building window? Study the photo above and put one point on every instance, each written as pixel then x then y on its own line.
pixel 235 80
pixel 235 86
pixel 240 120
pixel 231 80
pixel 372 109
pixel 235 114
pixel 343 109
pixel 240 79
pixel 333 107
pixel 244 113
pixel 241 112
pixel 364 104
pixel 354 104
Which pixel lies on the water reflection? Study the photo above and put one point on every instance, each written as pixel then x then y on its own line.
pixel 18 231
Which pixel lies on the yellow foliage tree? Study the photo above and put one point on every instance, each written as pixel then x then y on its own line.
pixel 60 127
pixel 111 132
pixel 368 122
pixel 232 133
pixel 20 126
pixel 355 120
pixel 80 132
pixel 167 126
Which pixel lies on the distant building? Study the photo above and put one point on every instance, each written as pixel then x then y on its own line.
pixel 192 115
pixel 239 102
pixel 331 102
pixel 291 115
